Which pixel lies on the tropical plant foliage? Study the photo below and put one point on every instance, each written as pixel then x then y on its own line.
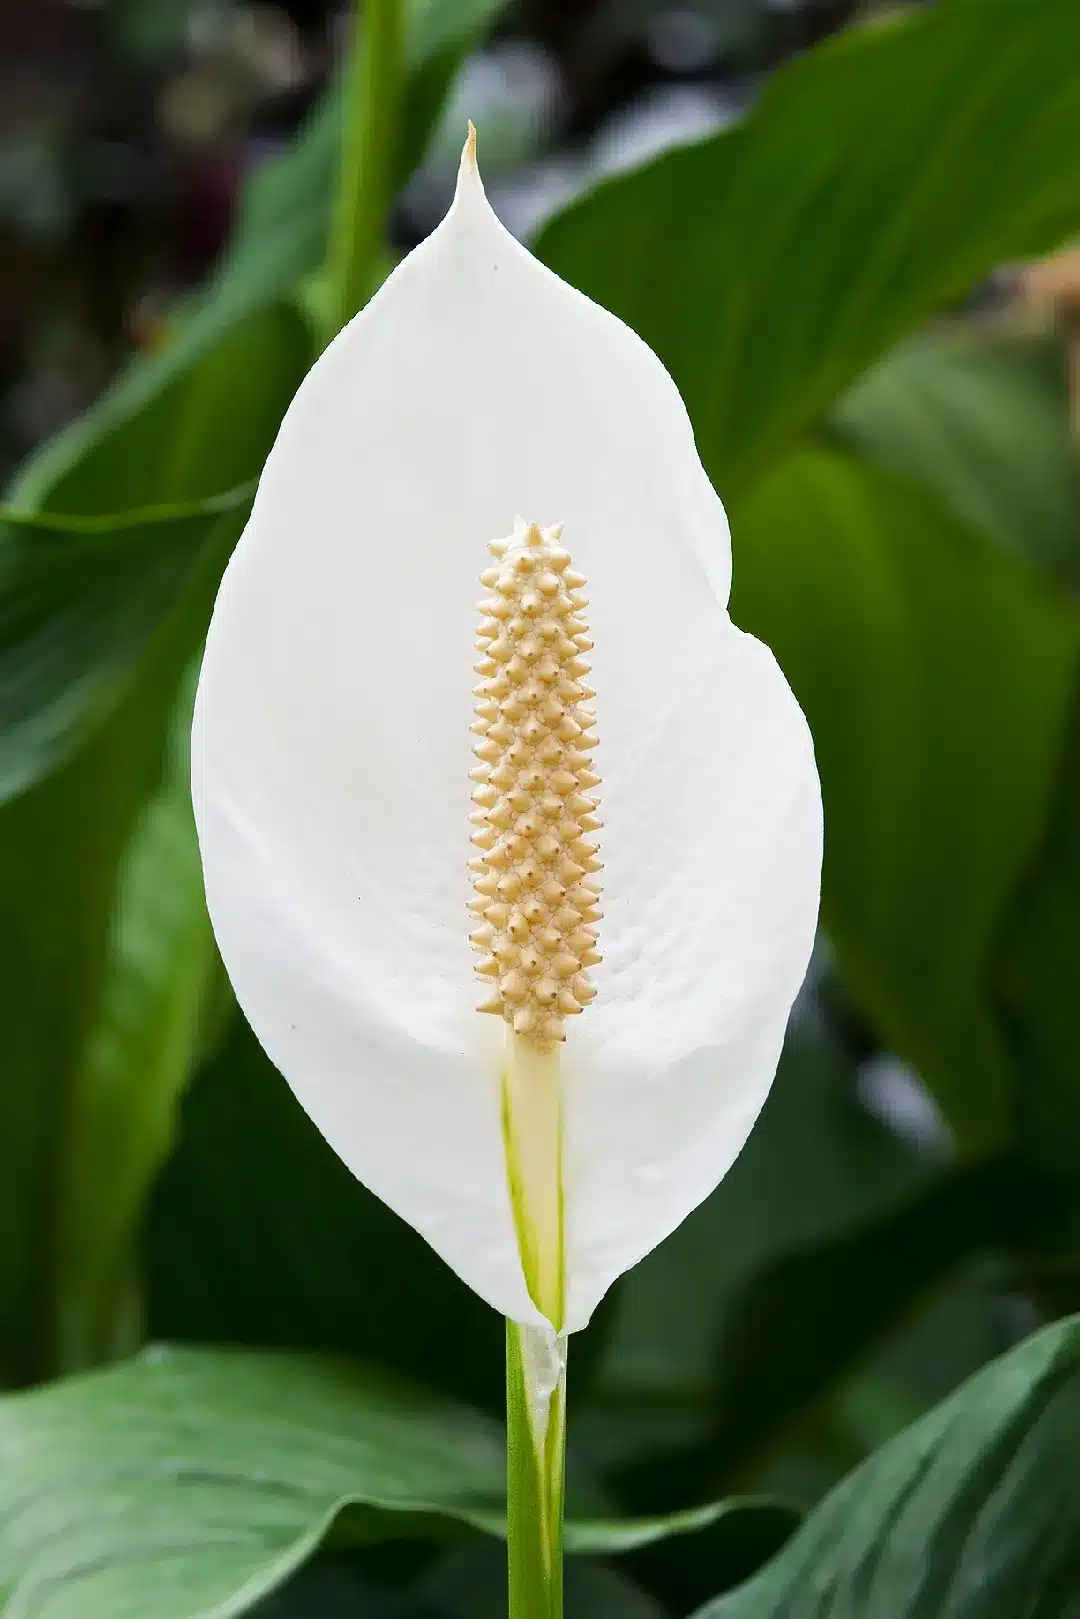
pixel 903 488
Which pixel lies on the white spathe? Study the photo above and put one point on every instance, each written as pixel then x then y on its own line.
pixel 331 758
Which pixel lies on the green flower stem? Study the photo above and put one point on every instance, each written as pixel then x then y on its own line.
pixel 368 158
pixel 536 1355
pixel 535 1455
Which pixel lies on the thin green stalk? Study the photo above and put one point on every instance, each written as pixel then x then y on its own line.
pixel 536 1460
pixel 535 1356
pixel 368 158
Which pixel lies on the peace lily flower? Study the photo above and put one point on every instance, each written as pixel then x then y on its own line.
pixel 358 710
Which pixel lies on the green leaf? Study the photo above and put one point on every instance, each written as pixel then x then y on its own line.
pixel 190 420
pixel 984 421
pixel 61 846
pixel 189 1483
pixel 80 602
pixel 112 637
pixel 935 673
pixel 969 1514
pixel 1036 973
pixel 878 178
pixel 162 983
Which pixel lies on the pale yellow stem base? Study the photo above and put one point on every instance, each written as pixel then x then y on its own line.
pixel 536 1355
pixel 533 1136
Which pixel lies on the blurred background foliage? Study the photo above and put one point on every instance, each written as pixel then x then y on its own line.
pixel 845 228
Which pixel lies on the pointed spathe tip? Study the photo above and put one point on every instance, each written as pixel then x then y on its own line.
pixel 470 186
pixel 469 172
pixel 470 198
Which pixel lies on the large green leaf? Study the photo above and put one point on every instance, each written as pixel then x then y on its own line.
pixel 61 848
pixel 80 602
pixel 105 946
pixel 189 1483
pixel 187 421
pixel 935 673
pixel 970 1514
pixel 1036 974
pixel 114 640
pixel 162 987
pixel 114 635
pixel 983 420
pixel 877 178
pixel 83 590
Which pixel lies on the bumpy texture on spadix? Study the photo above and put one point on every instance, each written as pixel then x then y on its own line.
pixel 536 896
pixel 332 750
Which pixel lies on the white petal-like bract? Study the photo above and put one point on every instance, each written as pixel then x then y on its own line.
pixel 331 758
